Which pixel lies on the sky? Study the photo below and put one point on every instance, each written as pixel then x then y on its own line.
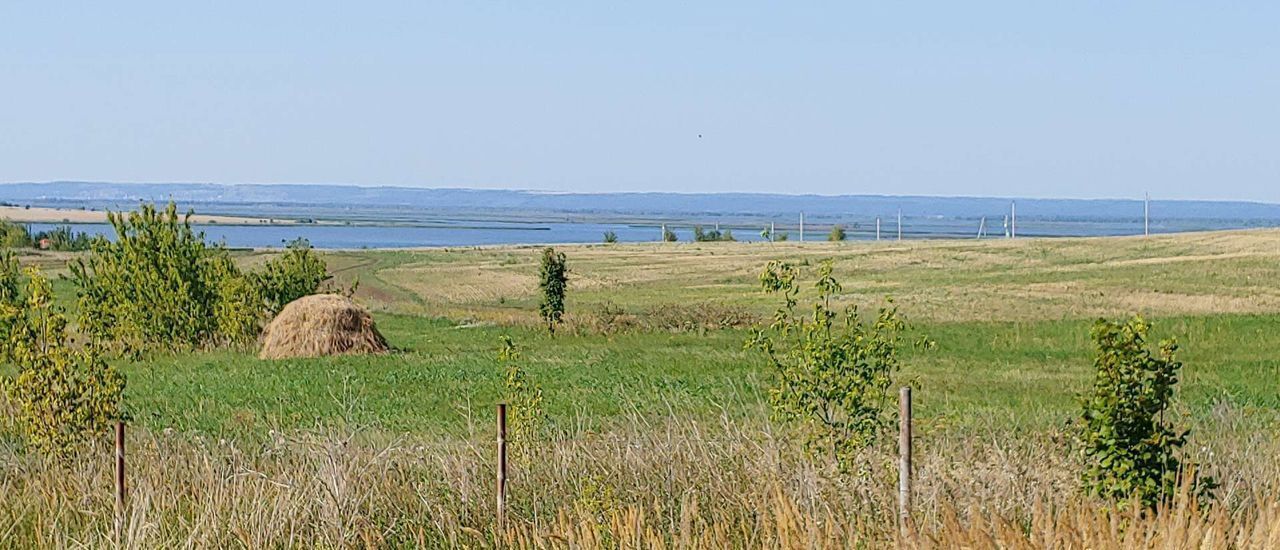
pixel 1074 99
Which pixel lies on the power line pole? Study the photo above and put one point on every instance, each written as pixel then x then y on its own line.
pixel 1146 216
pixel 1013 216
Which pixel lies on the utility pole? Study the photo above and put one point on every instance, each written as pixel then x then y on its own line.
pixel 1146 216
pixel 1013 216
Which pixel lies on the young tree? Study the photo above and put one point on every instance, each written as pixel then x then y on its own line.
pixel 553 279
pixel 524 398
pixel 833 370
pixel 1131 451
pixel 64 393
pixel 837 233
pixel 668 235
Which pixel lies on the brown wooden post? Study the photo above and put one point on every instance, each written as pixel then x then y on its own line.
pixel 120 488
pixel 502 468
pixel 904 456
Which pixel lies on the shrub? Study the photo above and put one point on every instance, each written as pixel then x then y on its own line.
pixel 63 394
pixel 13 235
pixel 714 235
pixel 525 415
pixel 668 235
pixel 159 286
pixel 836 234
pixel 610 237
pixel 155 287
pixel 553 279
pixel 1130 450
pixel 296 273
pixel 833 371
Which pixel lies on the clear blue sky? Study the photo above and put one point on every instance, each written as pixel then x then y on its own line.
pixel 1061 99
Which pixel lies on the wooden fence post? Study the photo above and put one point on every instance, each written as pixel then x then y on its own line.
pixel 904 456
pixel 120 488
pixel 502 468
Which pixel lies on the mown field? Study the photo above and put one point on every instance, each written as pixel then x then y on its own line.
pixel 659 425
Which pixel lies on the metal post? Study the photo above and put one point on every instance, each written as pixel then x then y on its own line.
pixel 1013 220
pixel 1146 216
pixel 502 467
pixel 904 456
pixel 877 229
pixel 802 227
pixel 899 224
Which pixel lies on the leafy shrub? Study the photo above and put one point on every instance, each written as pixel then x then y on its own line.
pixel 553 279
pixel 610 237
pixel 159 286
pixel 668 235
pixel 64 394
pixel 696 317
pixel 13 235
pixel 714 235
pixel 1130 450
pixel 833 376
pixel 155 287
pixel 525 415
pixel 296 273
pixel 836 234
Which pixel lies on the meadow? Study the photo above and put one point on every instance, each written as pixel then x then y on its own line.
pixel 658 424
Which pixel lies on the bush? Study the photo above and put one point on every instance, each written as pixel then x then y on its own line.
pixel 836 234
pixel 298 272
pixel 714 235
pixel 155 287
pixel 553 279
pixel 13 235
pixel 833 376
pixel 668 235
pixel 526 417
pixel 159 286
pixel 64 394
pixel 1130 450
pixel 610 237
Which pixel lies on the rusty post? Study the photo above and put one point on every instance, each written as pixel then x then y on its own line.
pixel 904 456
pixel 502 467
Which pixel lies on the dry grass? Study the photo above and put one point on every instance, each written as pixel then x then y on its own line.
pixel 674 484
pixel 320 326
pixel 1032 279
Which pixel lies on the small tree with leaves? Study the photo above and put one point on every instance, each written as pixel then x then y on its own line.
pixel 64 393
pixel 1130 450
pixel 525 416
pixel 553 279
pixel 668 235
pixel 833 370
pixel 836 234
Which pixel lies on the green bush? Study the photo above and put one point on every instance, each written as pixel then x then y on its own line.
pixel 669 235
pixel 610 237
pixel 836 234
pixel 1130 450
pixel 525 417
pixel 64 394
pixel 713 235
pixel 159 286
pixel 13 235
pixel 296 273
pixel 833 370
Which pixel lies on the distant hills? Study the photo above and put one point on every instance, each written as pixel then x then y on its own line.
pixel 622 204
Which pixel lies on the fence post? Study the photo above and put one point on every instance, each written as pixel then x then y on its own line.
pixel 904 456
pixel 120 488
pixel 502 468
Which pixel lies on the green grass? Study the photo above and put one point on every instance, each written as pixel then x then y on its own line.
pixel 1021 374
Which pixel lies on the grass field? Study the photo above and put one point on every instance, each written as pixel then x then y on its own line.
pixel 656 409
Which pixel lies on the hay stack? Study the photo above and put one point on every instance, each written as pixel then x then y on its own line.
pixel 321 325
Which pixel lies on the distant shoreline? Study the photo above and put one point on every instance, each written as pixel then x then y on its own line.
pixel 35 214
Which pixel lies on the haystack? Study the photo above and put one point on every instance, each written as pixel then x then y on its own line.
pixel 321 325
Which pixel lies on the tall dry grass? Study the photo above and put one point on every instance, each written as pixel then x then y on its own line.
pixel 675 483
